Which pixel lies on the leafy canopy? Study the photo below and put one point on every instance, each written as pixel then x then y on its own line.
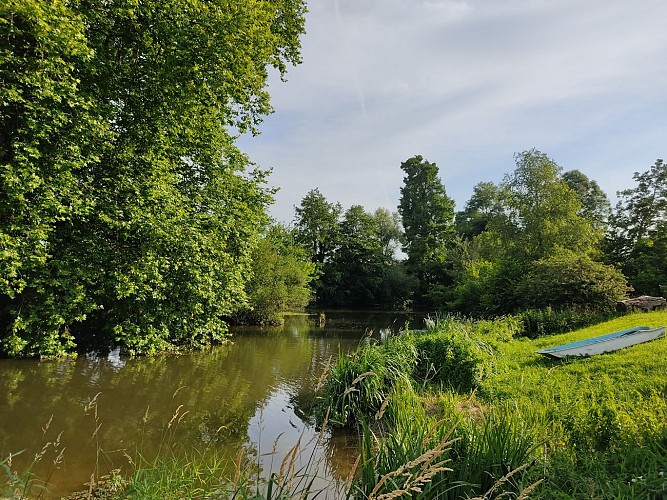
pixel 127 214
pixel 637 237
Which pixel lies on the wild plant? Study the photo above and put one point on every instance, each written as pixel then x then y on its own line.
pixel 540 322
pixel 413 455
pixel 405 456
pixel 454 359
pixel 498 446
pixel 358 384
pixel 14 484
pixel 291 480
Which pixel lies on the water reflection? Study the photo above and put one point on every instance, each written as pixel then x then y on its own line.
pixel 244 395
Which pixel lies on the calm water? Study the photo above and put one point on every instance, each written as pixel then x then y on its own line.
pixel 93 414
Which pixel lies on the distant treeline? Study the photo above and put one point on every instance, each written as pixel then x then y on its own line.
pixel 541 238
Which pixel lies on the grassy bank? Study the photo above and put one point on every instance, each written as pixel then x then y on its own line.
pixel 503 418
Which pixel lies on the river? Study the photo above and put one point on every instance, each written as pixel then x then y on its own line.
pixel 88 416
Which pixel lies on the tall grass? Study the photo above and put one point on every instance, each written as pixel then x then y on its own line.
pixel 26 483
pixel 592 428
pixel 361 383
pixel 450 458
pixel 12 483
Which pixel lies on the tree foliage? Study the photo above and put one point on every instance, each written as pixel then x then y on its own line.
pixel 484 205
pixel 126 211
pixel 595 206
pixel 568 280
pixel 363 271
pixel 536 245
pixel 428 221
pixel 354 274
pixel 281 273
pixel 542 213
pixel 637 238
pixel 389 232
pixel 317 223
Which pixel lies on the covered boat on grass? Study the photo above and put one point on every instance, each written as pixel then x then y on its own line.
pixel 605 343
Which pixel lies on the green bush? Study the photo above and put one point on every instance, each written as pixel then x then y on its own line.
pixel 570 280
pixel 454 352
pixel 358 384
pixel 279 281
pixel 539 322
pixel 458 352
pixel 453 359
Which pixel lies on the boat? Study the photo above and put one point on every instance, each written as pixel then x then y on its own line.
pixel 605 343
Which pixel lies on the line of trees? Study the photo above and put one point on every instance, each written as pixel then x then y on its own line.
pixel 541 238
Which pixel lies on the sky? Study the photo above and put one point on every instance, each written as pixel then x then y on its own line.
pixel 466 84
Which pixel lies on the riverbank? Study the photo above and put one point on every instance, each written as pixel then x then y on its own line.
pixel 484 405
pixel 463 406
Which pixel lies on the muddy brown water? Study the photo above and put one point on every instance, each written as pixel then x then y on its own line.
pixel 252 398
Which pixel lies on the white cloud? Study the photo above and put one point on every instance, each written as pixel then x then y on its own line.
pixel 465 84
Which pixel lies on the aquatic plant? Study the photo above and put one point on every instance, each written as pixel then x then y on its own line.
pixel 360 383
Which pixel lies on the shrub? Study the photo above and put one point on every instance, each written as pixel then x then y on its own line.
pixel 567 279
pixel 458 352
pixel 538 322
pixel 454 359
pixel 281 273
pixel 358 384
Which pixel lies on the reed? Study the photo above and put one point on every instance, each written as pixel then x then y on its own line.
pixel 450 458
pixel 359 384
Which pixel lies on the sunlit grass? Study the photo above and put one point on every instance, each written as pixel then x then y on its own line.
pixel 593 427
pixel 519 371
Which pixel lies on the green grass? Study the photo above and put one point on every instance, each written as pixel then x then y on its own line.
pixel 603 419
pixel 589 428
pixel 519 371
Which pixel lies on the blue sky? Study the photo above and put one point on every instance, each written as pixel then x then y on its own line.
pixel 465 84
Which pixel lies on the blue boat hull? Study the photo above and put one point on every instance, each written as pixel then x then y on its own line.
pixel 605 343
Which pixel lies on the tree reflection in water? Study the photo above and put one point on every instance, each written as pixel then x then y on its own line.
pixel 243 395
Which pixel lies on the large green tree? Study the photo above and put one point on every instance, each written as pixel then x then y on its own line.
pixel 542 213
pixel 427 213
pixel 364 271
pixel 126 211
pixel 50 136
pixel 483 205
pixel 317 222
pixel 389 232
pixel 538 246
pixel 354 274
pixel 595 205
pixel 637 238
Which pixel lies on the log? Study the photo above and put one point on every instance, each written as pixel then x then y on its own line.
pixel 644 303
